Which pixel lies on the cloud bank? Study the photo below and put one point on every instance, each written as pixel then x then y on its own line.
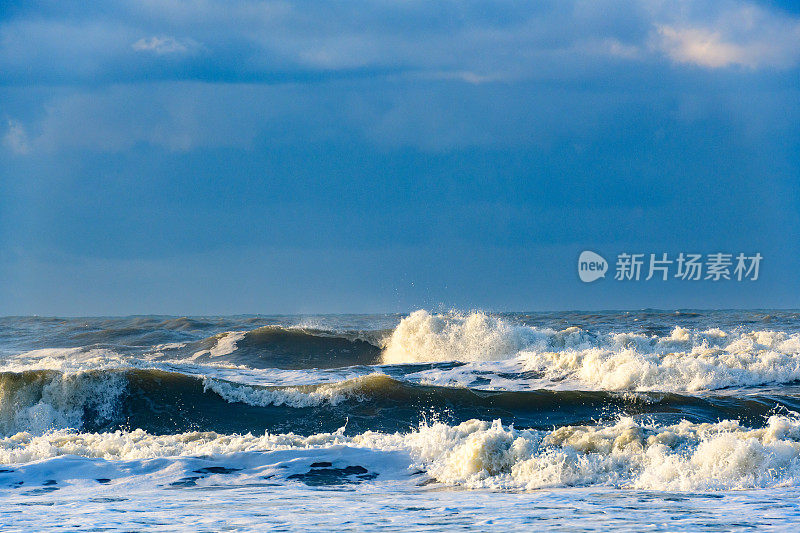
pixel 451 144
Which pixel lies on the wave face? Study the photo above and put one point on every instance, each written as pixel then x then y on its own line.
pixel 161 402
pixel 288 348
pixel 666 401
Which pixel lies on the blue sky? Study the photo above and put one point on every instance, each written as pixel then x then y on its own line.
pixel 297 157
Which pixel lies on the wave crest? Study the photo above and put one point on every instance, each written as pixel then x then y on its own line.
pixel 300 396
pixel 423 337
pixel 684 360
pixel 283 347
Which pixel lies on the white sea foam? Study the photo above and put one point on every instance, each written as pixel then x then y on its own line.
pixel 685 360
pixel 680 457
pixel 226 344
pixel 423 337
pixel 65 360
pixel 302 396
pixel 479 454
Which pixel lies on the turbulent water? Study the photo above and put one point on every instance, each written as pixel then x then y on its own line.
pixel 642 420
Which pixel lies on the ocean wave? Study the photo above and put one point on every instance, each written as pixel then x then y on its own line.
pixel 282 347
pixel 66 360
pixel 166 402
pixel 39 401
pixel 225 345
pixel 425 337
pixel 684 360
pixel 261 347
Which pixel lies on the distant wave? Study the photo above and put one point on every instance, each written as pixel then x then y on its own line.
pixel 673 359
pixel 285 347
pixel 667 358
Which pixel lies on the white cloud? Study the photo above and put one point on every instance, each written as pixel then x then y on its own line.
pixel 462 75
pixel 703 47
pixel 16 139
pixel 164 45
pixel 608 47
pixel 746 36
pixel 615 48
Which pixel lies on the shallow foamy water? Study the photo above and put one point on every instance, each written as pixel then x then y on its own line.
pixel 387 508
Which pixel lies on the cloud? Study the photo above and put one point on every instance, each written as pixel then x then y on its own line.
pixel 16 138
pixel 747 36
pixel 164 45
pixel 251 41
pixel 419 78
pixel 615 48
pixel 703 47
pixel 244 41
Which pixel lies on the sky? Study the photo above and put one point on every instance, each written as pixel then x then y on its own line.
pixel 227 157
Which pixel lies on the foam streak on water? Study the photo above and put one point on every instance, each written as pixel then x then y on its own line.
pixel 683 420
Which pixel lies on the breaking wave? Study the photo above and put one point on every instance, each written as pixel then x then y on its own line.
pixel 684 360
pixel 483 454
pixel 38 401
pixel 629 454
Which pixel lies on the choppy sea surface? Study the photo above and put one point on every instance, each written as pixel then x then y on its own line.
pixel 645 421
